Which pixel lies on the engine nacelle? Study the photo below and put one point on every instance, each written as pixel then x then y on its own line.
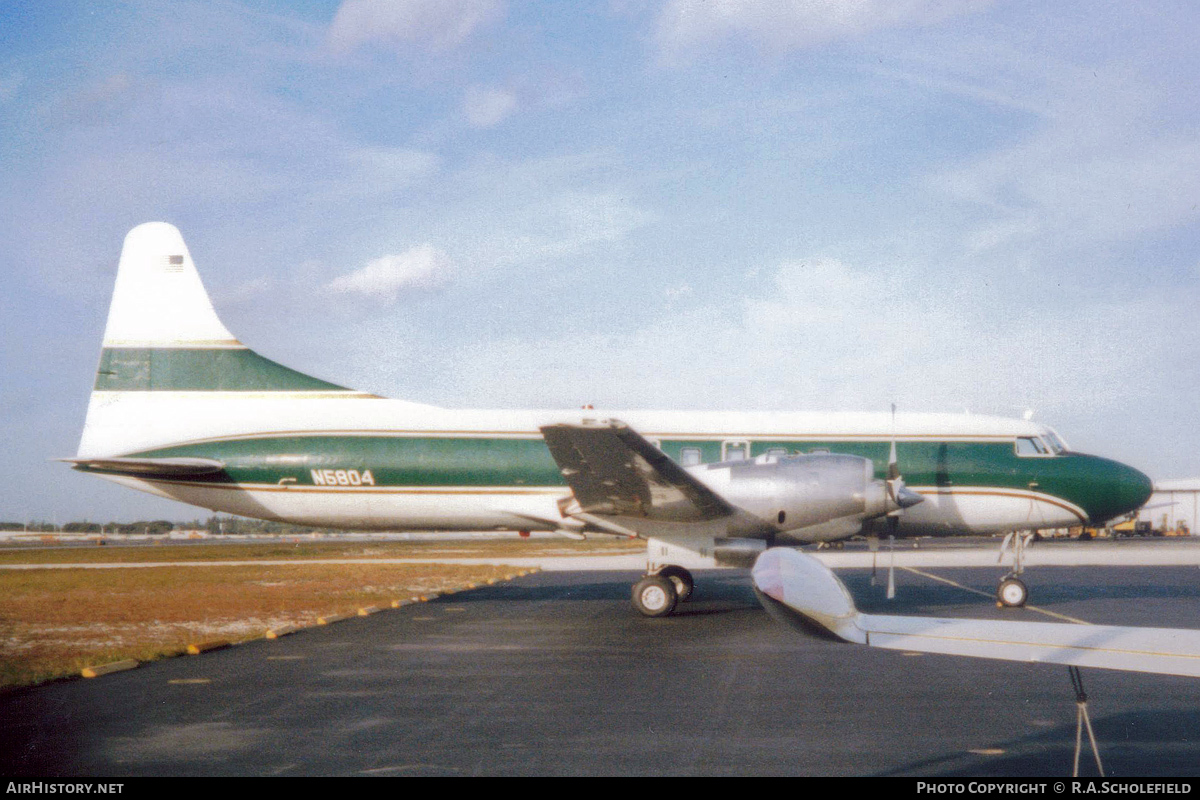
pixel 829 493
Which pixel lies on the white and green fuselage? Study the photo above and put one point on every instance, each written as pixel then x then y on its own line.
pixel 174 387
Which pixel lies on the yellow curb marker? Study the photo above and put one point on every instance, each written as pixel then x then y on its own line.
pixel 284 630
pixel 333 618
pixel 367 611
pixel 196 648
pixel 112 666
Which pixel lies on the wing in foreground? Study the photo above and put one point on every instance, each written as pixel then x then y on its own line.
pixel 149 467
pixel 798 589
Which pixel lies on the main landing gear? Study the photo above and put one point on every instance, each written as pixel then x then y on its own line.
pixel 657 594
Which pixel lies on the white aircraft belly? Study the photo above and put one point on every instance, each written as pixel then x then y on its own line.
pixel 390 508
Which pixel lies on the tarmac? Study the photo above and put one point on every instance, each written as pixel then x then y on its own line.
pixel 555 674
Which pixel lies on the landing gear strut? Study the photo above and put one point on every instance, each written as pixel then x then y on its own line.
pixel 657 595
pixel 1012 591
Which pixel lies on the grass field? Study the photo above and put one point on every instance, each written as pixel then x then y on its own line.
pixel 313 549
pixel 55 622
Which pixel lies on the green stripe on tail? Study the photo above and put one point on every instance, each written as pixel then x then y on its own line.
pixel 171 369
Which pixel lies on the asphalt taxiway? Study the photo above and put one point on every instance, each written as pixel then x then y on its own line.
pixel 555 674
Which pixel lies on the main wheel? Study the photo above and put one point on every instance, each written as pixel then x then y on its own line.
pixel 682 581
pixel 1012 592
pixel 654 596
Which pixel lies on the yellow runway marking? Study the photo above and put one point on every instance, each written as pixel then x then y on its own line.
pixel 933 577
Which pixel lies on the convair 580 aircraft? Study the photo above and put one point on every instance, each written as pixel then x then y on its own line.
pixel 182 409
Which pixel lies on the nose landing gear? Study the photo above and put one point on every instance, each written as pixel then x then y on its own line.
pixel 1012 591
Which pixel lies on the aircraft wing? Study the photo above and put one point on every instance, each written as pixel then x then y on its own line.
pixel 613 471
pixel 150 467
pixel 798 589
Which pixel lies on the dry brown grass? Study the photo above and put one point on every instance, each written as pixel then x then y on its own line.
pixel 55 622
pixel 303 548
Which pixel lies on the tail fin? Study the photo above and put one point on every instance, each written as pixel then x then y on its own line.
pixel 158 300
pixel 163 337
pixel 163 334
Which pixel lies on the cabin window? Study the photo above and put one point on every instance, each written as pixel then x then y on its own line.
pixel 735 451
pixel 689 456
pixel 777 452
pixel 1031 446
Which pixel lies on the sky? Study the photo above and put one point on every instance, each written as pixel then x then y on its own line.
pixel 796 205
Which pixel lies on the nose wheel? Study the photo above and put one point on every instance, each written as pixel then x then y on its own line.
pixel 1012 592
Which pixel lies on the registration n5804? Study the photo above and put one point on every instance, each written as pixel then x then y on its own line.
pixel 342 477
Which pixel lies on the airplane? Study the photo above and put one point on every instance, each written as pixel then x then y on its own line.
pixel 182 409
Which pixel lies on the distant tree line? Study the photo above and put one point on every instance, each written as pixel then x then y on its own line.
pixel 243 525
pixel 215 525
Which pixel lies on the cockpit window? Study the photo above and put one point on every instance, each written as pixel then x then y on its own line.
pixel 1055 443
pixel 1031 446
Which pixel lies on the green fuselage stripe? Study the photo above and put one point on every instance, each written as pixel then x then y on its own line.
pixel 1101 487
pixel 149 369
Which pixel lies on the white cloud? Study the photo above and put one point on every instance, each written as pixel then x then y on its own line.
pixel 685 25
pixel 825 334
pixel 1086 179
pixel 436 24
pixel 421 267
pixel 486 108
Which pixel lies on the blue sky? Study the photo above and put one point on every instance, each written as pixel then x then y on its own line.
pixel 717 205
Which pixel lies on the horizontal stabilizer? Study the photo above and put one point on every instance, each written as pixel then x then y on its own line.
pixel 149 467
pixel 798 587
pixel 613 471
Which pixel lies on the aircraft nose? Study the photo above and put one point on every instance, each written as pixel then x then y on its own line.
pixel 1134 489
pixel 1128 490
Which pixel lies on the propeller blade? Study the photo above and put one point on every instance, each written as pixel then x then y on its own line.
pixel 891 589
pixel 893 471
pixel 900 495
pixel 873 546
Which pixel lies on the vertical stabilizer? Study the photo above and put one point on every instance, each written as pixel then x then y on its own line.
pixel 158 300
pixel 165 348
